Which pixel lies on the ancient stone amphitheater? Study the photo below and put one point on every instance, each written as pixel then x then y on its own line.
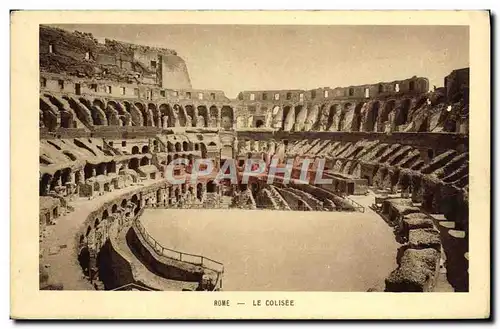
pixel 113 116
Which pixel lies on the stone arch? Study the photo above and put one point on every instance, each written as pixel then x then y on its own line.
pixel 167 117
pixel 227 117
pixel 185 146
pixel 144 161
pixel 147 116
pixel 287 113
pixel 111 167
pixel 402 112
pixel 202 119
pixel 67 119
pixel 343 114
pixel 145 149
pixel 300 117
pixel 112 112
pixel 88 170
pixel 180 113
pixel 356 119
pixel 139 117
pixel 133 163
pixel 384 116
pixel 333 113
pixel 155 115
pixel 44 183
pixel 99 103
pixel 203 149
pixel 190 111
pixel 178 147
pixel 170 147
pixel 214 117
pixel 135 149
pixel 371 117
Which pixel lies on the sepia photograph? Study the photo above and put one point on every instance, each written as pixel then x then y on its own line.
pixel 254 158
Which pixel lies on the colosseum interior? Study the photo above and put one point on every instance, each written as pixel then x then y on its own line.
pixel 114 115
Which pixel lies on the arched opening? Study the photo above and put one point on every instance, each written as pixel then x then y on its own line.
pixel 133 164
pixel 180 113
pixel 98 103
pixel 402 114
pixel 259 123
pixel 135 150
pixel 111 167
pixel 114 208
pixel 167 118
pixel 135 200
pixel 214 116
pixel 196 147
pixel 105 214
pixel 154 111
pixel 178 147
pixel 96 223
pixel 411 86
pixel 100 169
pixel 372 116
pixel 211 187
pixel 190 113
pixel 202 119
pixel 67 120
pixel 44 183
pixel 169 159
pixel 286 111
pixel 227 116
pixel 170 147
pixel 65 176
pixel 384 116
pixel 124 203
pixel 143 112
pixel 88 171
pixel 145 149
pixel 331 114
pixel 356 120
pixel 185 146
pixel 346 109
pixel 144 161
pixel 424 125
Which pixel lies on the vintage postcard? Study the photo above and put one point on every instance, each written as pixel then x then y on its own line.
pixel 250 165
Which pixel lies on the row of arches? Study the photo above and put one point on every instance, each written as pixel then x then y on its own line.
pixel 58 112
pixel 346 116
pixel 371 116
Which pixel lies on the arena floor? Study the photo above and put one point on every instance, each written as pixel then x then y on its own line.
pixel 283 251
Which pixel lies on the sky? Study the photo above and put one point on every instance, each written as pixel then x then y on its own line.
pixel 233 58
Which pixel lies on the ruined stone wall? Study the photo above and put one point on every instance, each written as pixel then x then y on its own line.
pixel 80 54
